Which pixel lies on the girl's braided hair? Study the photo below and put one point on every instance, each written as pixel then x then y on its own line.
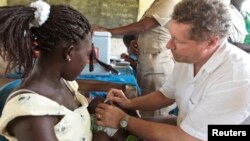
pixel 18 39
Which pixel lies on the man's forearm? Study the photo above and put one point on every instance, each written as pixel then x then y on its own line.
pixel 156 131
pixel 125 30
pixel 135 28
pixel 151 101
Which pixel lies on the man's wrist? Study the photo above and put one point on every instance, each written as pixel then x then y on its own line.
pixel 124 122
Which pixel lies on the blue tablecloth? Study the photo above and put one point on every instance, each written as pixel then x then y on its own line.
pixel 126 77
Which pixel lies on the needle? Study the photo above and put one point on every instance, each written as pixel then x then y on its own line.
pixel 106 100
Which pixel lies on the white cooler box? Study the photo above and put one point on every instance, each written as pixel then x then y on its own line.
pixel 101 42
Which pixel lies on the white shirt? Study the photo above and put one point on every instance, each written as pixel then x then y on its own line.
pixel 74 126
pixel 218 94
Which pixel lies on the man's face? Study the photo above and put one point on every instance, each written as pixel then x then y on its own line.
pixel 183 48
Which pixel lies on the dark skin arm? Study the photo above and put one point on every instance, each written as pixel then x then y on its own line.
pixel 127 58
pixel 24 128
pixel 120 135
pixel 134 28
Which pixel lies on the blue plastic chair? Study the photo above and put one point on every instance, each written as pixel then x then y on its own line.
pixel 4 93
pixel 3 138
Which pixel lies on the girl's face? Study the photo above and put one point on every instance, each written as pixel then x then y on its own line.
pixel 79 56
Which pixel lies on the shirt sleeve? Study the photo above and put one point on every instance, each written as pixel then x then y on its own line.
pixel 28 105
pixel 162 10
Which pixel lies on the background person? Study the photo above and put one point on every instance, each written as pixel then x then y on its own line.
pixel 239 31
pixel 207 84
pixel 130 41
pixel 155 61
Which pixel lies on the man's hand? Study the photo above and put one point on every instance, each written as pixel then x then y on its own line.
pixel 117 96
pixel 108 115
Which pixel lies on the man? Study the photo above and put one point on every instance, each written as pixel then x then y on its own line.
pixel 210 83
pixel 155 61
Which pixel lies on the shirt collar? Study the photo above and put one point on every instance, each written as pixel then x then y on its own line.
pixel 216 59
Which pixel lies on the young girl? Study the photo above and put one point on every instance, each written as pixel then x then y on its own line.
pixel 46 106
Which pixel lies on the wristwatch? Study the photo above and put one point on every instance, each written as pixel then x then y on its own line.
pixel 124 122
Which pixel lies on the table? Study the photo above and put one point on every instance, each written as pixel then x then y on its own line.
pixel 125 81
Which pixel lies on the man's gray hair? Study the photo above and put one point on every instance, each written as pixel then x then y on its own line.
pixel 207 17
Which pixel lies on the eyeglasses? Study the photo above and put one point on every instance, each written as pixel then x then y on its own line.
pixel 93 57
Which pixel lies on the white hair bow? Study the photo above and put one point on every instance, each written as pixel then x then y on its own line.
pixel 41 13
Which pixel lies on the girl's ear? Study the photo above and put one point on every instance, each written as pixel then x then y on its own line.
pixel 68 53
